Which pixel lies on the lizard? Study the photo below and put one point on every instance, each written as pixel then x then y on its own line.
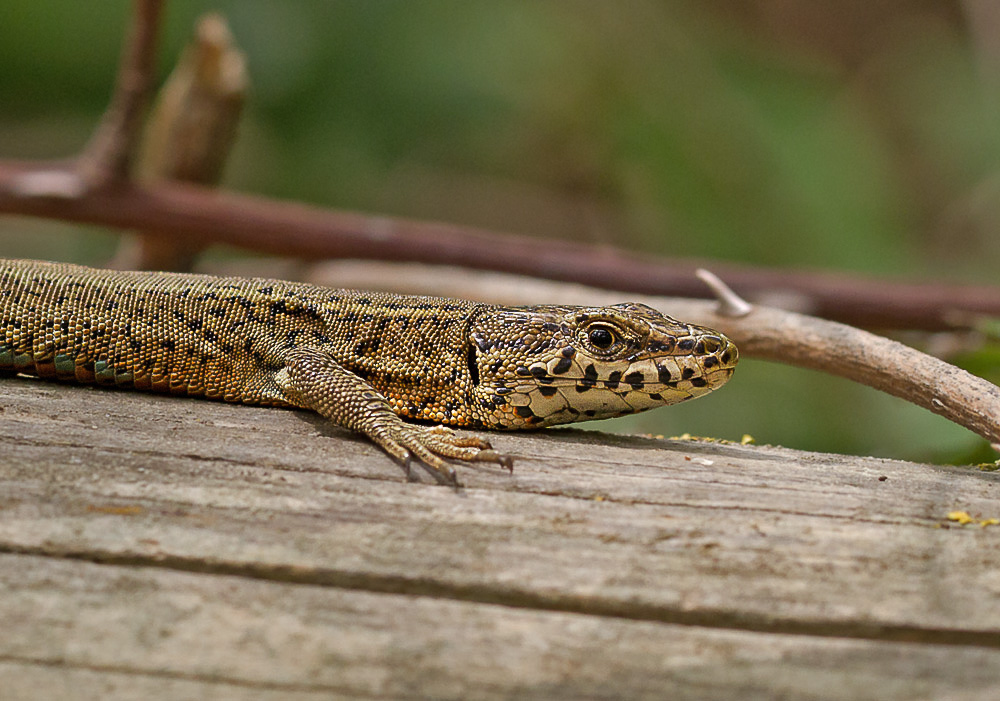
pixel 402 370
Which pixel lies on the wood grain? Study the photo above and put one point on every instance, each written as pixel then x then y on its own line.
pixel 158 547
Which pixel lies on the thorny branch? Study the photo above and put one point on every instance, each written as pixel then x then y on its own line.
pixel 96 189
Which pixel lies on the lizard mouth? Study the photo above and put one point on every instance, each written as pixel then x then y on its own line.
pixel 541 395
pixel 707 369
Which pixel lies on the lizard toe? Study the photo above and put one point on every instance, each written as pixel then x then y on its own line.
pixel 430 445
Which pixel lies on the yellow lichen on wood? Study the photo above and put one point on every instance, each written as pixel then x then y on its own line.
pixel 963 518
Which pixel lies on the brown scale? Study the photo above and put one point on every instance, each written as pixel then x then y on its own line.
pixel 362 359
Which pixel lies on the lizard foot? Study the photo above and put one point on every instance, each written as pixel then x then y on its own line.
pixel 430 444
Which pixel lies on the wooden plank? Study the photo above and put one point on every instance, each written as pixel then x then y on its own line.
pixel 627 537
pixel 135 628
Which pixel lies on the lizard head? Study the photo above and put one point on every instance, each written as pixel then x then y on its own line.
pixel 538 366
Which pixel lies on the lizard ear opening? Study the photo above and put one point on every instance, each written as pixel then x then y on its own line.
pixel 473 365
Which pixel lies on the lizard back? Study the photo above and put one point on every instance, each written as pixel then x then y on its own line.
pixel 225 338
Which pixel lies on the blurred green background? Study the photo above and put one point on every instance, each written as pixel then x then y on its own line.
pixel 851 136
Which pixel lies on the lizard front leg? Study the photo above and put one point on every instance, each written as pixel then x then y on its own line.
pixel 314 380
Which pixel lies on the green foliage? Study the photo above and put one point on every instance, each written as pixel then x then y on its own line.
pixel 709 129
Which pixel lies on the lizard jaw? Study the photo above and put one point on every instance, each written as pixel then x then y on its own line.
pixel 558 392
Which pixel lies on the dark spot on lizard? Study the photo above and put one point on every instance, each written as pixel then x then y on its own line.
pixel 635 379
pixel 547 391
pixel 562 366
pixel 613 379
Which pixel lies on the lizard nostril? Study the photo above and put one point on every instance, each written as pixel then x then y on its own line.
pixel 712 344
pixel 730 355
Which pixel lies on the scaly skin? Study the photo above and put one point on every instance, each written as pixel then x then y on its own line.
pixel 364 360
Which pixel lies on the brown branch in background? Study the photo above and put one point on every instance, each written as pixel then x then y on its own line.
pixel 983 24
pixel 286 228
pixel 106 157
pixel 189 216
pixel 875 361
pixel 766 333
pixel 98 191
pixel 189 135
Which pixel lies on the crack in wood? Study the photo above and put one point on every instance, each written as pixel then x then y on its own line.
pixel 534 600
pixel 219 679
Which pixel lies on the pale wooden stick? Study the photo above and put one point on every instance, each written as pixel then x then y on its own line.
pixel 764 332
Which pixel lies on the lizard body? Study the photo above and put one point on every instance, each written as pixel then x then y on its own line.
pixel 364 360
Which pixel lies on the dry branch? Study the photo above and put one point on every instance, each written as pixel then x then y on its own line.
pixel 767 333
pixel 287 228
pixel 190 132
pixel 107 157
pixel 96 191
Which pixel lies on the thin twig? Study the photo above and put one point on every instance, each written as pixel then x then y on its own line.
pixel 107 156
pixel 766 333
pixel 730 303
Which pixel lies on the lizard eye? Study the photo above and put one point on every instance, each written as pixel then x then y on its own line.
pixel 602 337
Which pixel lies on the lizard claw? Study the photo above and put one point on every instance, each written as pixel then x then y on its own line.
pixel 406 464
pixel 430 446
pixel 508 462
pixel 490 455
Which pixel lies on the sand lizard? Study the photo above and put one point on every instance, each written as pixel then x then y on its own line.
pixel 364 360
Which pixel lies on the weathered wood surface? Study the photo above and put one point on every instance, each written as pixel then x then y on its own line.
pixel 153 547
